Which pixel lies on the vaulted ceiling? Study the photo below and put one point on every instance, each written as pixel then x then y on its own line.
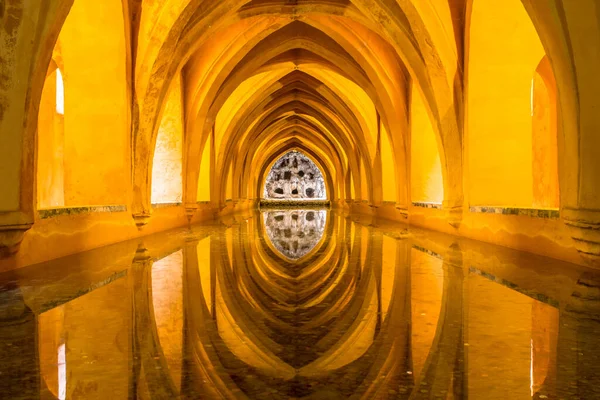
pixel 262 77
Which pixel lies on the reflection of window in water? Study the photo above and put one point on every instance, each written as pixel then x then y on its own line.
pixel 62 373
pixel 294 233
pixel 295 177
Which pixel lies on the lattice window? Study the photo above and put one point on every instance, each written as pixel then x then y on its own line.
pixel 295 177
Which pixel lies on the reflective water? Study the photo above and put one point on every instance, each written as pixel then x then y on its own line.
pixel 295 233
pixel 373 312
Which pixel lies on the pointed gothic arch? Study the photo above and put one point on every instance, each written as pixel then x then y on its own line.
pixel 294 177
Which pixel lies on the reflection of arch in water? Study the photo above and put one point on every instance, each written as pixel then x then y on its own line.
pixel 294 176
pixel 251 330
pixel 295 233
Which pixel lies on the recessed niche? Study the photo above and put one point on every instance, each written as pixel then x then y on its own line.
pixel 295 177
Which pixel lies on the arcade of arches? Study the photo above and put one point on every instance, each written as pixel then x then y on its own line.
pixel 299 199
pixel 122 118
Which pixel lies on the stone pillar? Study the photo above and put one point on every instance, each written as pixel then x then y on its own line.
pixel 584 226
pixel 29 32
pixel 570 32
pixel 581 203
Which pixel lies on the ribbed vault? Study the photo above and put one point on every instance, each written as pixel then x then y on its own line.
pixel 262 77
pixel 347 80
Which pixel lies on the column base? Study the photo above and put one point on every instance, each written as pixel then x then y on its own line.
pixel 584 226
pixel 454 215
pixel 402 211
pixel 190 210
pixel 141 219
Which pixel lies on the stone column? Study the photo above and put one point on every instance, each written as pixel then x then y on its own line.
pixel 29 32
pixel 570 32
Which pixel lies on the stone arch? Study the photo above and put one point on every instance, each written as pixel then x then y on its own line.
pixel 29 36
pixel 194 33
pixel 260 128
pixel 193 179
pixel 313 139
pixel 562 26
pixel 328 156
pixel 280 150
pixel 294 176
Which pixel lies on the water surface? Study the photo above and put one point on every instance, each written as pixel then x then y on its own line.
pixel 300 304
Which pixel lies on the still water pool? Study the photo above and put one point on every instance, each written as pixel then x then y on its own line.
pixel 300 304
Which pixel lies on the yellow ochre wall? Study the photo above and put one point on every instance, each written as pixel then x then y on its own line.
pixel 96 149
pixel 51 138
pixel 205 172
pixel 545 139
pixel 388 168
pixel 167 169
pixel 426 184
pixel 504 53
